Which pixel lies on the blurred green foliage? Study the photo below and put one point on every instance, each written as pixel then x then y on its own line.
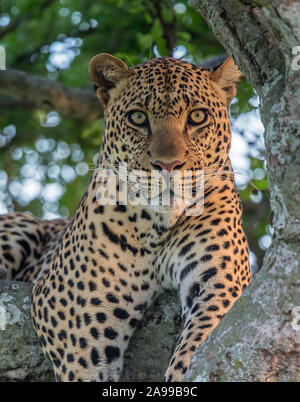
pixel 50 157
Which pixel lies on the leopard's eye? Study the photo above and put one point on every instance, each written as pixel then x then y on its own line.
pixel 198 116
pixel 137 118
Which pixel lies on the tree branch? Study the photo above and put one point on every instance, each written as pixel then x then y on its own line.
pixel 168 28
pixel 50 95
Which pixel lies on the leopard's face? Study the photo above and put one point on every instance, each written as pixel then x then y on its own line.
pixel 165 114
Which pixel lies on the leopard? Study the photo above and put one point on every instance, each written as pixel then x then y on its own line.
pixel 95 275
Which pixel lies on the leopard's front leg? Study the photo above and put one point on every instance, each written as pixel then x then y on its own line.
pixel 85 335
pixel 210 266
pixel 86 306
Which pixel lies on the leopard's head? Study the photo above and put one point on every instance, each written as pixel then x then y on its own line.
pixel 165 114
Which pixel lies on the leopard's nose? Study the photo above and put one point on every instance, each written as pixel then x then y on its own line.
pixel 170 167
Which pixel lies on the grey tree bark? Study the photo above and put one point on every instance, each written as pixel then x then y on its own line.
pixel 259 339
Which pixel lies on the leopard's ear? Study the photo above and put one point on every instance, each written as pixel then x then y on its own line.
pixel 227 76
pixel 105 71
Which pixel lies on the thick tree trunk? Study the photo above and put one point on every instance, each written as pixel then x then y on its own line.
pixel 259 340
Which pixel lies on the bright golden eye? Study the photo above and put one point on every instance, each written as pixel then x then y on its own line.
pixel 137 118
pixel 197 117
